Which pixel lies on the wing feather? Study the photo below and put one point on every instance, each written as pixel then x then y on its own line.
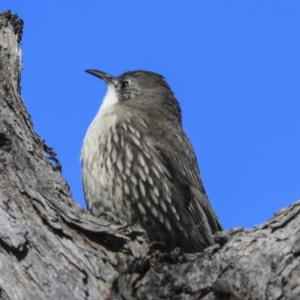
pixel 184 174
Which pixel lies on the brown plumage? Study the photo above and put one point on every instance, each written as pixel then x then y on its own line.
pixel 138 164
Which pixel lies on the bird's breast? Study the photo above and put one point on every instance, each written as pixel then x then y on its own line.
pixel 110 147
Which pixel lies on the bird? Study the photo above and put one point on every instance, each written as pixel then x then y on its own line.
pixel 139 166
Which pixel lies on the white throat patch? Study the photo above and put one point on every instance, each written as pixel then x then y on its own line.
pixel 110 98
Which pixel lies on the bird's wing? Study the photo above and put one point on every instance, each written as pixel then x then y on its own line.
pixel 182 171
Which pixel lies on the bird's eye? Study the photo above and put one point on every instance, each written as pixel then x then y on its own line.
pixel 124 84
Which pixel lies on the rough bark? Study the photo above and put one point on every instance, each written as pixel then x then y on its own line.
pixel 50 248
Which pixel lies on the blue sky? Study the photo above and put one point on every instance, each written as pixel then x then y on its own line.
pixel 234 67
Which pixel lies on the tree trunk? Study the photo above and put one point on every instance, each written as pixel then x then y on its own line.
pixel 50 248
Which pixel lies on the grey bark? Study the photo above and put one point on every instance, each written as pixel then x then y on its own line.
pixel 50 248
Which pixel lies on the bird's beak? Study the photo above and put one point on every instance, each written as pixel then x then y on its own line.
pixel 109 79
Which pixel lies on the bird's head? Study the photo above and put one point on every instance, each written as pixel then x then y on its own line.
pixel 140 90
